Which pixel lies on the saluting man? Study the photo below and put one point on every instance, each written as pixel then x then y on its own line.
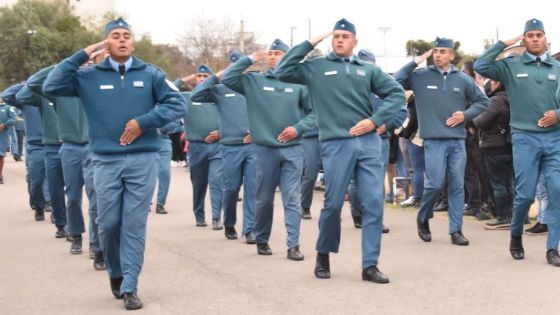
pixel 532 83
pixel 278 115
pixel 445 99
pixel 205 152
pixel 340 85
pixel 7 119
pixel 237 150
pixel 119 97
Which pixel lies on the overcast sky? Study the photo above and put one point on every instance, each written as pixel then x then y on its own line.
pixel 167 20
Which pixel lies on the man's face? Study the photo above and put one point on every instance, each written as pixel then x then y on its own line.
pixel 120 43
pixel 443 57
pixel 343 43
pixel 201 76
pixel 535 42
pixel 272 58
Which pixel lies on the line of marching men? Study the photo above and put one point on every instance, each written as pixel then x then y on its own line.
pixel 104 116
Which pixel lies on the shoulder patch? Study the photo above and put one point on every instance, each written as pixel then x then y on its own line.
pixel 171 85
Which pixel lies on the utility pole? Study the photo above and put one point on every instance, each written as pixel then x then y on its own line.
pixel 242 37
pixel 309 30
pixel 292 28
pixel 385 29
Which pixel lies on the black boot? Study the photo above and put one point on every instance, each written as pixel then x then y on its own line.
pixel 322 266
pixel 116 287
pixel 516 247
pixel 99 262
pixel 306 213
pixel 76 246
pixel 357 221
pixel 132 301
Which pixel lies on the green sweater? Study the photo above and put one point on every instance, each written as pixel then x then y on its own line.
pixel 272 105
pixel 340 91
pixel 532 87
pixel 200 119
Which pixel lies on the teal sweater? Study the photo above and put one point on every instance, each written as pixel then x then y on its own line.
pixel 70 114
pixel 111 101
pixel 272 105
pixel 340 92
pixel 46 111
pixel 438 97
pixel 200 119
pixel 533 88
pixel 7 115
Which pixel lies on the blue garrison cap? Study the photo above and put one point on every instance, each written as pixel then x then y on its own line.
pixel 277 44
pixel 118 23
pixel 366 55
pixel 234 56
pixel 534 25
pixel 444 42
pixel 204 69
pixel 344 25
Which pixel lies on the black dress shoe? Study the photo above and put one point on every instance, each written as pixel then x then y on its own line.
pixel 424 230
pixel 357 221
pixel 516 247
pixel 458 238
pixel 264 249
pixel 537 229
pixel 385 229
pixel 91 252
pixel 295 254
pixel 322 266
pixel 216 225
pixel 116 287
pixel 160 209
pixel 76 246
pixel 552 257
pixel 306 213
pixel 373 274
pixel 231 233
pixel 201 224
pixel 60 232
pixel 99 262
pixel 132 301
pixel 48 207
pixel 250 238
pixel 39 215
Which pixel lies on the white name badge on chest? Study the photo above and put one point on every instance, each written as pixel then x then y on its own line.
pixel 522 75
pixel 289 90
pixel 106 87
pixel 361 73
pixel 230 95
pixel 138 84
pixel 268 88
pixel 552 77
pixel 334 72
pixel 431 87
pixel 196 103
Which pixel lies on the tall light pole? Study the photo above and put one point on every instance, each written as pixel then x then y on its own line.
pixel 292 28
pixel 385 29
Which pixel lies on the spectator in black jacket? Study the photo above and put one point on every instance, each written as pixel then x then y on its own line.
pixel 495 141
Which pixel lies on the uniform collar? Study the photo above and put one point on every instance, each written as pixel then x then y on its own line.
pixel 527 57
pixel 270 73
pixel 131 64
pixel 334 57
pixel 452 69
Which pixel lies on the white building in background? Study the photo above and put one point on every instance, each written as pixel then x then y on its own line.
pixel 83 8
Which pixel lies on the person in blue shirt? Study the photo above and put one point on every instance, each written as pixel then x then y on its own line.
pixel 276 122
pixel 7 120
pixel 340 85
pixel 237 149
pixel 204 150
pixel 119 97
pixel 446 98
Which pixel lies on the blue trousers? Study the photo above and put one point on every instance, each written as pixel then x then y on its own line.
pixel 361 158
pixel 416 154
pixel 72 157
pixel 311 166
pixel 35 163
pixel 355 206
pixel 124 184
pixel 239 166
pixel 53 171
pixel 533 152
pixel 278 166
pixel 92 198
pixel 444 157
pixel 206 169
pixel 4 141
pixel 164 171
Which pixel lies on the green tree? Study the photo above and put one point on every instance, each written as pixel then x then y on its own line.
pixel 36 34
